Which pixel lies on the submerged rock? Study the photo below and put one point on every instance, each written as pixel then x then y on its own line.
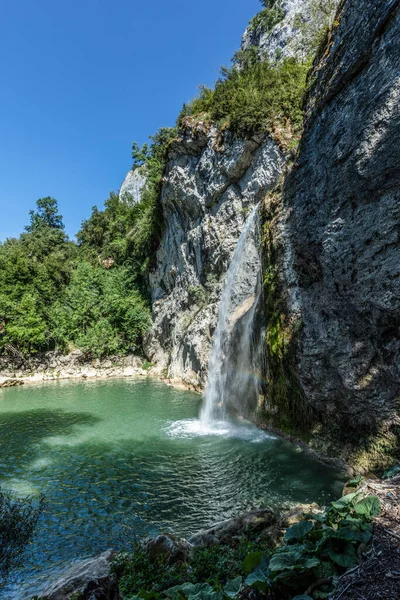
pixel 5 382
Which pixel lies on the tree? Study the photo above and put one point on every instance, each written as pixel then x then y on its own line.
pixel 45 216
pixel 18 518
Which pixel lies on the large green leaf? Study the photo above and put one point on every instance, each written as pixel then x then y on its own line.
pixel 252 561
pixel 257 579
pixel 368 507
pixel 188 589
pixel 345 557
pixel 283 561
pixel 298 531
pixel 344 502
pixel 233 586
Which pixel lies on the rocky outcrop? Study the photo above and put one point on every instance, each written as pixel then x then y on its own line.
pixel 7 382
pixel 89 579
pixel 296 33
pixel 132 186
pixel 336 246
pixel 53 366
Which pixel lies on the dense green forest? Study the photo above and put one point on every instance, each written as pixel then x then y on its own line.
pixel 90 294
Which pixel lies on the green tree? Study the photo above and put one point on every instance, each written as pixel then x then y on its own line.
pixel 45 216
pixel 101 311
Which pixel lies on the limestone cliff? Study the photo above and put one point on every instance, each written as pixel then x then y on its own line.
pixel 211 183
pixel 333 252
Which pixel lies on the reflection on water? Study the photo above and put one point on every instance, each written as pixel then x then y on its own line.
pixel 118 460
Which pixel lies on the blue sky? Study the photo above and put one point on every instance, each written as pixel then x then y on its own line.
pixel 82 79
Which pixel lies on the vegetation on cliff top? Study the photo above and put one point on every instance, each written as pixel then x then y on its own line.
pixel 256 97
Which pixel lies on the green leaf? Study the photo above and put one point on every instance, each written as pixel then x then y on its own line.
pixel 310 563
pixel 148 595
pixel 282 561
pixel 345 558
pixel 252 561
pixel 187 589
pixel 344 502
pixel 233 586
pixel 257 579
pixel 368 507
pixel 298 531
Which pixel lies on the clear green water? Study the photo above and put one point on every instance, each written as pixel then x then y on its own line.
pixel 127 458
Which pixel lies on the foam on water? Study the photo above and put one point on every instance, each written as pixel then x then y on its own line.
pixel 188 428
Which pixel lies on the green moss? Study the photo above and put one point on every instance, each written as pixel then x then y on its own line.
pixel 286 406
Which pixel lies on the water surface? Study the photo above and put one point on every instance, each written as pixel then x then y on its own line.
pixel 122 459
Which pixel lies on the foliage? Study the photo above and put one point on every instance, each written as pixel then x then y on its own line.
pixel 271 15
pixel 213 566
pixel 54 294
pixel 18 518
pixel 101 311
pixel 129 233
pixel 255 97
pixel 319 547
pixel 33 270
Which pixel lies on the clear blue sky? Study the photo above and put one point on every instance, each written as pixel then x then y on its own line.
pixel 82 79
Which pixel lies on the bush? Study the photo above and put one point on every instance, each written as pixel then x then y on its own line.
pixel 255 97
pixel 18 519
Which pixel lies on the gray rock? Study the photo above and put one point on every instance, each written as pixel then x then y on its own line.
pixel 90 579
pixel 168 549
pixel 225 532
pixel 294 35
pixel 210 185
pixel 132 186
pixel 340 247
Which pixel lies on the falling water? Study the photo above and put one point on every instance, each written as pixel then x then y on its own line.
pixel 233 376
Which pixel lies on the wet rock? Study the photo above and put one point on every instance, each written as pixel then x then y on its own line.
pixel 10 382
pixel 168 548
pixel 89 580
pixel 254 522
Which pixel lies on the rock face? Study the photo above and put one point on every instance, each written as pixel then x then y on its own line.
pixel 211 183
pixel 338 234
pixel 89 580
pixel 132 186
pixel 298 30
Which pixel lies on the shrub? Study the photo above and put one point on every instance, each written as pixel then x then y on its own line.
pixel 256 97
pixel 18 519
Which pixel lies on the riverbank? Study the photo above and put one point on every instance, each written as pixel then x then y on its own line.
pixel 54 366
pixel 214 555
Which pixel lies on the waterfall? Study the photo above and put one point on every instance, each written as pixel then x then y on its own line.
pixel 234 367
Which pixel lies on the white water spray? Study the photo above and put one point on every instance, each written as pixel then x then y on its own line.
pixel 233 375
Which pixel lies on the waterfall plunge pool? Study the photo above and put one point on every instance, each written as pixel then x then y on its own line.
pixel 123 459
